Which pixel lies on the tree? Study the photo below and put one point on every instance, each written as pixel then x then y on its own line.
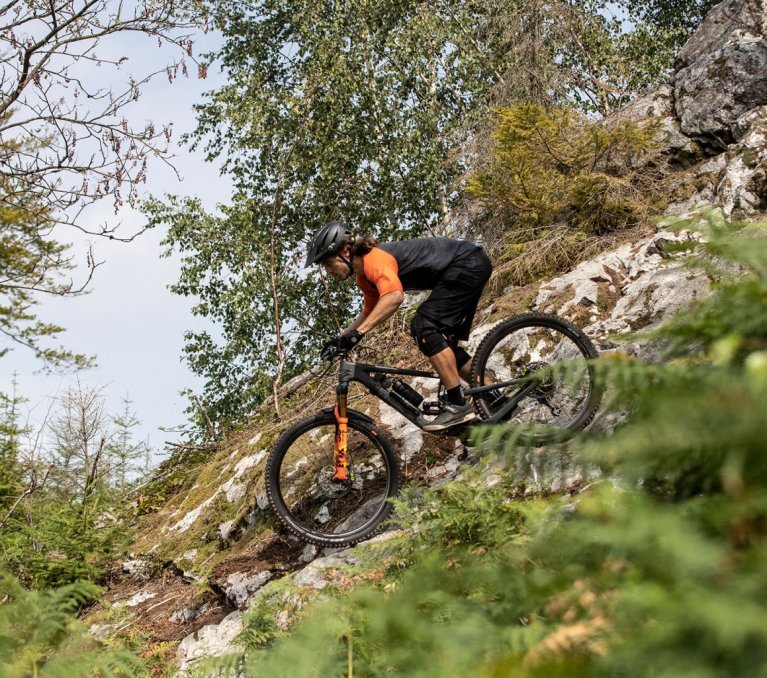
pixel 80 435
pixel 123 449
pixel 329 112
pixel 61 522
pixel 11 430
pixel 65 140
pixel 370 111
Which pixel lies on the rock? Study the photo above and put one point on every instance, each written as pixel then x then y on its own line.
pixel 409 436
pixel 657 107
pixel 651 287
pixel 262 500
pixel 137 568
pixel 240 586
pixel 719 25
pixel 449 469
pixel 234 491
pixel 313 574
pixel 224 530
pixel 212 640
pixel 101 631
pixel 735 180
pixel 139 598
pixel 308 554
pixel 361 515
pixel 234 488
pixel 742 190
pixel 188 614
pixel 188 520
pixel 722 71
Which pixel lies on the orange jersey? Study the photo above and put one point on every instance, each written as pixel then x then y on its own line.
pixel 381 277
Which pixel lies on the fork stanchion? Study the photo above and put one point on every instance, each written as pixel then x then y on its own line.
pixel 341 445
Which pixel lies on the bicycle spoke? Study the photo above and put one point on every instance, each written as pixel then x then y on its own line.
pixel 319 504
pixel 550 355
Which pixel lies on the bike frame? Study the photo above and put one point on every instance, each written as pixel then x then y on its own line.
pixel 362 373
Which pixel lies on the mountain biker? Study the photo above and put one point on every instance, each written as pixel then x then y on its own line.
pixel 455 271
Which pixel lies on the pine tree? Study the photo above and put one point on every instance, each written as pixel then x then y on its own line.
pixel 11 430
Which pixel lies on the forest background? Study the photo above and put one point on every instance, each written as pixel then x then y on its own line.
pixel 382 114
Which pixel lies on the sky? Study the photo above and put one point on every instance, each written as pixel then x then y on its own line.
pixel 129 320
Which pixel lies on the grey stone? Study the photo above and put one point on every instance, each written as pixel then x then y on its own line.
pixel 725 19
pixel 308 554
pixel 651 286
pixel 137 567
pixel 723 71
pixel 188 614
pixel 657 107
pixel 212 640
pixel 313 575
pixel 407 434
pixel 224 530
pixel 240 586
pixel 139 598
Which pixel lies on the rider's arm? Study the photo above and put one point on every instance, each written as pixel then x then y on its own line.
pixel 384 309
pixel 382 289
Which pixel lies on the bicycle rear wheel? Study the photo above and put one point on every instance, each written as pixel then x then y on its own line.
pixel 548 356
pixel 326 512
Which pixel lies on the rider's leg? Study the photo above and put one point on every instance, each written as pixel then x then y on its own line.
pixel 462 358
pixel 434 345
pixel 445 366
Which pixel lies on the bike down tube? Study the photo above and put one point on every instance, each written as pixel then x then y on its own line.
pixel 349 372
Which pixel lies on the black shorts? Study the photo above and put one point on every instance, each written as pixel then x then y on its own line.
pixel 453 301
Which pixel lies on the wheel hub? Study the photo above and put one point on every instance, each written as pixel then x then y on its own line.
pixel 545 384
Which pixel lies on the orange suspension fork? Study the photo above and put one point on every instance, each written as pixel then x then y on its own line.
pixel 340 447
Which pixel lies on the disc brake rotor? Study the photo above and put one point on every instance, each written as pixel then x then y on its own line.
pixel 545 383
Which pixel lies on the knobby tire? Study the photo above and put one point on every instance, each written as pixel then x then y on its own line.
pixel 301 514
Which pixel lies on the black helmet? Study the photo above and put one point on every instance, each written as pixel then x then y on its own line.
pixel 330 239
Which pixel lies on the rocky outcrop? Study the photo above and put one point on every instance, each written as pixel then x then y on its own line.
pixel 712 117
pixel 721 71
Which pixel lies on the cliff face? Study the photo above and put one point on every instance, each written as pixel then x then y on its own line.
pixel 213 549
pixel 712 115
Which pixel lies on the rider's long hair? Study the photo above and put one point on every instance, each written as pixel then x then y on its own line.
pixel 362 245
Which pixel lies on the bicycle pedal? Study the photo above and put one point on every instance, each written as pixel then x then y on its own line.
pixel 431 407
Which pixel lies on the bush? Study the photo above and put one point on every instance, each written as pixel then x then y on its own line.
pixel 39 635
pixel 556 180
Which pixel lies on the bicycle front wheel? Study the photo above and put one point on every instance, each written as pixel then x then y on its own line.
pixel 313 506
pixel 555 390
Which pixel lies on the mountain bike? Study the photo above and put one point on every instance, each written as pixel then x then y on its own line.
pixel 329 476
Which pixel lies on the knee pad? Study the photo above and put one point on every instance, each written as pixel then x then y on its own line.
pixel 461 356
pixel 428 338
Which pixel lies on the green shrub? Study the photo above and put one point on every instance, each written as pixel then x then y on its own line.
pixel 557 179
pixel 40 636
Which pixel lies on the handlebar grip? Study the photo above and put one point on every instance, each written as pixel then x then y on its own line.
pixel 329 353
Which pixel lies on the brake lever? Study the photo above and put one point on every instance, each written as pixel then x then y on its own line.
pixel 329 353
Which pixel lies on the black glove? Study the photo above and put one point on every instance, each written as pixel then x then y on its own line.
pixel 348 340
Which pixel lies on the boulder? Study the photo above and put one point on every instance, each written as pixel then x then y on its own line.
pixel 722 71
pixel 213 640
pixel 657 107
pixel 240 586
